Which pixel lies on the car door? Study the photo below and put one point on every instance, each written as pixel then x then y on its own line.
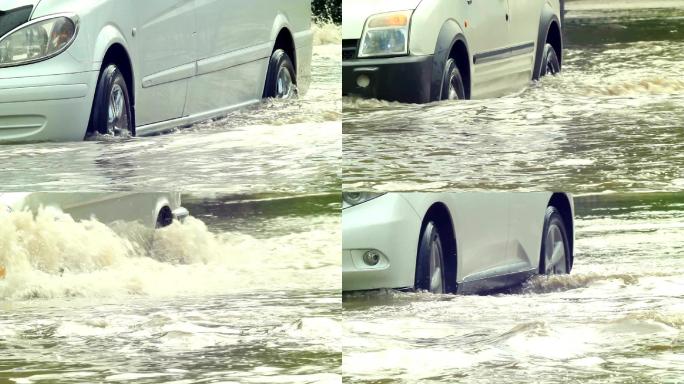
pixel 233 47
pixel 487 35
pixel 481 222
pixel 524 18
pixel 526 227
pixel 165 58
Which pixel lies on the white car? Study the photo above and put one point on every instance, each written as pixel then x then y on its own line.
pixel 154 210
pixel 420 51
pixel 70 69
pixel 454 242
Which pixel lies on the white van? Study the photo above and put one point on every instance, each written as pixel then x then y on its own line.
pixel 70 68
pixel 419 51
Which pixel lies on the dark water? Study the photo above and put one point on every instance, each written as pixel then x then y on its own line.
pixel 212 301
pixel 611 122
pixel 618 318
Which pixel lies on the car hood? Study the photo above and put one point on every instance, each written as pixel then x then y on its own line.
pixel 356 12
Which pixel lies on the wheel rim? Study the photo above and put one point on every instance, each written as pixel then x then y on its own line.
pixel 284 84
pixel 436 280
pixel 453 85
pixel 555 251
pixel 117 119
pixel 549 69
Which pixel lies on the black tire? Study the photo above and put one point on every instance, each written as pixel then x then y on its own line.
pixel 452 86
pixel 553 221
pixel 550 63
pixel 280 61
pixel 100 122
pixel 430 241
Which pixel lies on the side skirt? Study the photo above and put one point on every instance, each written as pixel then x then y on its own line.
pixel 494 283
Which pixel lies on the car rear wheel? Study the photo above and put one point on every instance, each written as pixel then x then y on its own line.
pixel 453 88
pixel 430 261
pixel 112 113
pixel 555 250
pixel 281 81
pixel 550 62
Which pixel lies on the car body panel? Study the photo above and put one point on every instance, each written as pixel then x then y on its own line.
pixel 181 72
pixel 498 237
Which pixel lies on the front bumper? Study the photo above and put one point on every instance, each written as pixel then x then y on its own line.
pixel 389 225
pixel 46 107
pixel 405 79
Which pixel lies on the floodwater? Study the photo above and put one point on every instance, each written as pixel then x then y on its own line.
pixel 251 150
pixel 248 290
pixel 618 318
pixel 612 121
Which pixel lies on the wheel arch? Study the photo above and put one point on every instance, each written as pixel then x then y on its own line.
pixel 550 31
pixel 285 41
pixel 282 37
pixel 451 42
pixel 163 214
pixel 440 214
pixel 561 201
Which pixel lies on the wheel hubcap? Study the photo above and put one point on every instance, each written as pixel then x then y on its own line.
pixel 555 251
pixel 284 84
pixel 117 120
pixel 453 86
pixel 436 281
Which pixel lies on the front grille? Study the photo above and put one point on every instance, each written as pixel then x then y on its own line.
pixel 14 18
pixel 349 48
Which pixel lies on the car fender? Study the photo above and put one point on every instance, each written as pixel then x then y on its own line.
pixel 548 16
pixel 107 37
pixel 162 202
pixel 450 33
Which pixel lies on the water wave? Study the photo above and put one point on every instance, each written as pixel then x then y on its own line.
pixel 556 283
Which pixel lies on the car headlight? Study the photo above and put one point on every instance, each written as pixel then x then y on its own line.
pixel 40 39
pixel 350 199
pixel 386 34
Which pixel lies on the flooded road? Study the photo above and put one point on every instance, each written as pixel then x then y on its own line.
pixel 248 151
pixel 611 122
pixel 251 296
pixel 618 318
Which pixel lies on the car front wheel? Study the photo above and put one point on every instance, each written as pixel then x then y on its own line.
pixel 430 261
pixel 112 113
pixel 555 250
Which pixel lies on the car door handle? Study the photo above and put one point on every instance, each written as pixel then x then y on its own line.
pixel 469 2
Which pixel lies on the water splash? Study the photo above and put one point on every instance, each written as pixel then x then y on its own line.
pixel 51 256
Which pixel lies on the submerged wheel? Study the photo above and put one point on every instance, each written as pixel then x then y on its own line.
pixel 281 81
pixel 550 62
pixel 555 250
pixel 452 88
pixel 112 113
pixel 164 218
pixel 430 261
